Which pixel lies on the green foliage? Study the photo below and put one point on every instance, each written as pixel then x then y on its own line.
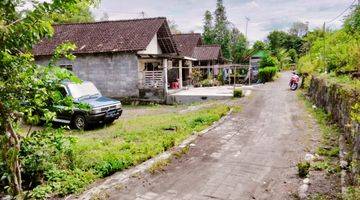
pixel 352 193
pixel 209 82
pixel 352 23
pixel 282 40
pixel 333 51
pixel 208 35
pixel 238 93
pixel 220 77
pixel 27 91
pixel 267 74
pixel 268 61
pixel 233 44
pixel 303 169
pixel 259 46
pixel 80 12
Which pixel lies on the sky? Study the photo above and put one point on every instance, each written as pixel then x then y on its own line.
pixel 265 15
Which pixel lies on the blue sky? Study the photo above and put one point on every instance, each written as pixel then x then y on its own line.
pixel 265 15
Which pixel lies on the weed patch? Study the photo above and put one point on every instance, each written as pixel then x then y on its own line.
pixel 303 169
pixel 158 166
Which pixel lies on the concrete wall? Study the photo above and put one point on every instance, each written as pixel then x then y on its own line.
pixel 115 75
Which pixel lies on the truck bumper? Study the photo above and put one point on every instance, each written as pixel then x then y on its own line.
pixel 104 117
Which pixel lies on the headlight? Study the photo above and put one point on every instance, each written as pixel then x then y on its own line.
pixel 118 106
pixel 96 110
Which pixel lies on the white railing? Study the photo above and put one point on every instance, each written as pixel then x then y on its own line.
pixel 153 79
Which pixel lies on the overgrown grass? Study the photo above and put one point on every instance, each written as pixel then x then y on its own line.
pixel 329 147
pixel 100 153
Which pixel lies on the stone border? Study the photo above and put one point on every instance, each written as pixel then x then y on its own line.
pixel 122 177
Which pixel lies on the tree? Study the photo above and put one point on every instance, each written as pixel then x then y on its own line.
pixel 283 59
pixel 352 22
pixel 282 40
pixel 208 34
pixel 27 91
pixel 80 12
pixel 238 45
pixel 299 29
pixel 173 27
pixel 259 46
pixel 221 30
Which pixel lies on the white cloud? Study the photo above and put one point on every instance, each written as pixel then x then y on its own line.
pixel 265 15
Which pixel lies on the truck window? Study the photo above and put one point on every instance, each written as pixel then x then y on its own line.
pixel 63 91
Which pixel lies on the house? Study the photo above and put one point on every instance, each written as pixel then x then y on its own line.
pixel 205 57
pixel 124 59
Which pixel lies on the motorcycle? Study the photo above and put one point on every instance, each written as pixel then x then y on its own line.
pixel 294 82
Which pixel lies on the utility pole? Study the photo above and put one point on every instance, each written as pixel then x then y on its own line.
pixel 246 35
pixel 324 56
pixel 142 13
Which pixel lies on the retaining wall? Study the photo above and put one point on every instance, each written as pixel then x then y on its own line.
pixel 339 100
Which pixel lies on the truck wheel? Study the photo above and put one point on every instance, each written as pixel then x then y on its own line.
pixel 79 122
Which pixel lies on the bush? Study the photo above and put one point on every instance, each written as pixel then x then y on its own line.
pixel 238 93
pixel 267 74
pixel 209 83
pixel 303 169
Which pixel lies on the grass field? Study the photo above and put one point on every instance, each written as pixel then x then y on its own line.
pixel 128 142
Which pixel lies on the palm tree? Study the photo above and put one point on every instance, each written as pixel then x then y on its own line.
pixel 283 59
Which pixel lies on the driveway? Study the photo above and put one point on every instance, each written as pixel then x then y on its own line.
pixel 252 155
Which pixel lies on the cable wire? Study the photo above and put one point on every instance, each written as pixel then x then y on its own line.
pixel 328 22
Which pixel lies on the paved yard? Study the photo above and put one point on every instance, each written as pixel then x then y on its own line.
pixel 252 155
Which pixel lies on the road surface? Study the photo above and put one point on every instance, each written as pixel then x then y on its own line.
pixel 252 155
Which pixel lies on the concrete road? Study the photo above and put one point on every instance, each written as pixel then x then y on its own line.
pixel 252 155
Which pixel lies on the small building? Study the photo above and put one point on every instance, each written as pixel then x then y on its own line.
pixel 205 57
pixel 124 59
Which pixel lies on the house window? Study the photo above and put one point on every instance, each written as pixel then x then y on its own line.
pixel 68 67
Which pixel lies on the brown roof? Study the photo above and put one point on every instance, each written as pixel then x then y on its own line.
pixel 207 52
pixel 110 36
pixel 186 43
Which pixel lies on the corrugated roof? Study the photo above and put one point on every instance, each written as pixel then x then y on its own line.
pixel 186 43
pixel 110 36
pixel 207 52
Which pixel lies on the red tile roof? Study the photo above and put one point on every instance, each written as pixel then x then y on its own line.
pixel 186 43
pixel 207 52
pixel 110 36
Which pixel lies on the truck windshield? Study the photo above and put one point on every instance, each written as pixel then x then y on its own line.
pixel 85 89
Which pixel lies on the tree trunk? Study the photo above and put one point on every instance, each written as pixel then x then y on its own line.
pixel 13 144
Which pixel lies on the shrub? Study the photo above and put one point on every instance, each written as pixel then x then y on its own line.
pixel 267 74
pixel 303 169
pixel 209 82
pixel 238 93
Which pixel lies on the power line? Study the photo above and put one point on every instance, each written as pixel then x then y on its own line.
pixel 328 22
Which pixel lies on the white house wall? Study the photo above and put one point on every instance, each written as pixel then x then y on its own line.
pixel 152 48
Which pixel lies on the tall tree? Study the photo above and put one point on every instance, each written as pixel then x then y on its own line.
pixel 221 30
pixel 299 29
pixel 238 46
pixel 208 34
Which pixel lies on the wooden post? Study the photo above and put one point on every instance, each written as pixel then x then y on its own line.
pixel 165 66
pixel 250 71
pixel 190 72
pixel 180 74
pixel 234 78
